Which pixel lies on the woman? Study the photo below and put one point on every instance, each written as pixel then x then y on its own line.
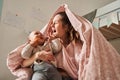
pixel 86 54
pixel 62 28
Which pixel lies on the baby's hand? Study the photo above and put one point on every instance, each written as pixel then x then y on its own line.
pixel 45 56
pixel 35 42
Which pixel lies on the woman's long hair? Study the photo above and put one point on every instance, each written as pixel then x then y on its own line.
pixel 71 33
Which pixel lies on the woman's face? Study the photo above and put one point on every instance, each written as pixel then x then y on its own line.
pixel 58 30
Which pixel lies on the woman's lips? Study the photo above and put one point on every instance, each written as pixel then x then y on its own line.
pixel 54 31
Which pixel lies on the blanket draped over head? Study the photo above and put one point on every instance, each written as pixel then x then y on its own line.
pixel 97 59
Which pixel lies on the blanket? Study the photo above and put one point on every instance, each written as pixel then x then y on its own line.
pixel 14 62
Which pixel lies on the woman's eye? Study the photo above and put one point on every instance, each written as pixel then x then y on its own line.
pixel 56 23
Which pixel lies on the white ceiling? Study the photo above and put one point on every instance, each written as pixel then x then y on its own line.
pixel 80 7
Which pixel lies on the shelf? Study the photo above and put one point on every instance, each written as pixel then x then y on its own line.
pixel 111 32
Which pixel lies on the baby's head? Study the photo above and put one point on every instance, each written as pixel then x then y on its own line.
pixel 37 36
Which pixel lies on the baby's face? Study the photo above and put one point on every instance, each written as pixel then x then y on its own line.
pixel 37 35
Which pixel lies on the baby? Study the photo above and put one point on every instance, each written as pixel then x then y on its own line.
pixel 42 70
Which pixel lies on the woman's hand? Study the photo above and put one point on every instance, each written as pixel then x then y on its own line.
pixel 45 56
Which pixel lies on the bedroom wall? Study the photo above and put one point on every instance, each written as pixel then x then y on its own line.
pixel 18 19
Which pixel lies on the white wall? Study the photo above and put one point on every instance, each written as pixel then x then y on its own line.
pixel 11 36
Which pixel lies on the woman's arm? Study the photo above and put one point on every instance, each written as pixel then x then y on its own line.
pixel 45 56
pixel 30 61
pixel 41 55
